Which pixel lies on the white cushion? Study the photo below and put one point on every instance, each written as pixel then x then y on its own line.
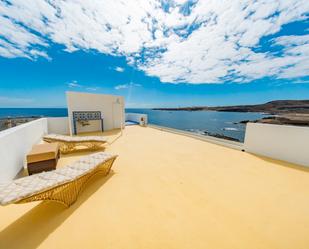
pixel 75 139
pixel 31 185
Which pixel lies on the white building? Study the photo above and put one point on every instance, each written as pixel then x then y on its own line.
pixel 100 111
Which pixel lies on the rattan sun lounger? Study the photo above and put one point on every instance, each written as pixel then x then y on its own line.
pixel 61 185
pixel 70 144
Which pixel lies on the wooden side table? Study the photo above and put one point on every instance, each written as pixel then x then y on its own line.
pixel 43 157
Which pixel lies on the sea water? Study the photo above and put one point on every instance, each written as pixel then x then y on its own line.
pixel 201 122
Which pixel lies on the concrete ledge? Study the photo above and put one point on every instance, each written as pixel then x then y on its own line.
pixel 282 142
pixel 15 143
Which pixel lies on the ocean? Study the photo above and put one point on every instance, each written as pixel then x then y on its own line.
pixel 201 122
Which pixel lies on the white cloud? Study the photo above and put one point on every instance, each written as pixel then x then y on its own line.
pixel 119 69
pixel 119 87
pixel 92 88
pixel 9 101
pixel 301 81
pixel 291 40
pixel 17 41
pixel 126 86
pixel 74 84
pixel 175 40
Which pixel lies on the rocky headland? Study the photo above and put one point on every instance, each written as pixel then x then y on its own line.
pixel 287 112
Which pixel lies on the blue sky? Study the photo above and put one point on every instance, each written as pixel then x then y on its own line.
pixel 162 54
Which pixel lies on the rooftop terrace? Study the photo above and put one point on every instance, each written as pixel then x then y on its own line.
pixel 171 191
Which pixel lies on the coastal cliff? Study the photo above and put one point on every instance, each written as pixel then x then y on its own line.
pixel 288 112
pixel 272 107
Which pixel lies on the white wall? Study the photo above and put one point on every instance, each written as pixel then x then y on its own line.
pixel 136 117
pixel 283 142
pixel 112 112
pixel 15 143
pixel 58 125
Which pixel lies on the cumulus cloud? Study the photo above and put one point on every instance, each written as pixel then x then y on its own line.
pixel 126 86
pixel 176 40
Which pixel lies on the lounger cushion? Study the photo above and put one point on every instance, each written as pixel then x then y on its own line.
pixel 81 166
pixel 72 172
pixel 9 192
pixel 21 188
pixel 31 185
pixel 54 176
pixel 75 139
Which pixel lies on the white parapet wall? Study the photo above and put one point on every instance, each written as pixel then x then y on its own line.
pixel 283 142
pixel 58 125
pixel 15 143
pixel 137 117
pixel 111 108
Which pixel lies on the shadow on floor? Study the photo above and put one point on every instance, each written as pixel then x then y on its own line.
pixel 31 229
pixel 83 151
pixel 111 135
pixel 282 163
pixel 107 134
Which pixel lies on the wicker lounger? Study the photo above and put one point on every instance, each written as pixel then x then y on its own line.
pixel 62 185
pixel 69 144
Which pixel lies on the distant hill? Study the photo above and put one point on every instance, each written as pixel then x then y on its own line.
pixel 272 107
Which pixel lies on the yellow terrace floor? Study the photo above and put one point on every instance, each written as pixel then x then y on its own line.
pixel 172 191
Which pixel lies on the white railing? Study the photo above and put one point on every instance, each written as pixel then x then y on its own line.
pixel 15 143
pixel 137 117
pixel 288 143
pixel 283 142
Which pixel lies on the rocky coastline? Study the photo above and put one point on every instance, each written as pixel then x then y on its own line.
pixel 221 136
pixel 288 119
pixel 9 122
pixel 284 112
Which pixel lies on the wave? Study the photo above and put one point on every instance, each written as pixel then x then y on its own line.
pixel 230 129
